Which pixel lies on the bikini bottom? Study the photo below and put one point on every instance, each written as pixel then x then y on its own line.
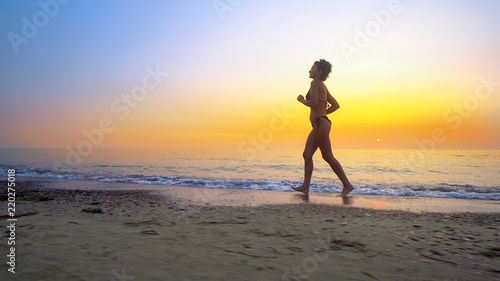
pixel 318 121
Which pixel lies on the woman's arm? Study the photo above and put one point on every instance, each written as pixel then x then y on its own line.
pixel 334 104
pixel 313 91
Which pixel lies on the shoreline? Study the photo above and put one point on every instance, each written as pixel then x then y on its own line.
pixel 250 197
pixel 150 235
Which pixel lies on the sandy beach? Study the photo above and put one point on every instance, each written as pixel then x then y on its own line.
pixel 128 234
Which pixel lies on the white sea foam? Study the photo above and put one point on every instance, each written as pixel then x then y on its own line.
pixel 442 190
pixel 472 175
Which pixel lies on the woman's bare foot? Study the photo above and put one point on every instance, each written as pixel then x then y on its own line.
pixel 346 190
pixel 301 189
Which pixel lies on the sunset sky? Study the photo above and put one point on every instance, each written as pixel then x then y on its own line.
pixel 401 71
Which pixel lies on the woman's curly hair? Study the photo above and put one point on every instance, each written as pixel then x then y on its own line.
pixel 325 68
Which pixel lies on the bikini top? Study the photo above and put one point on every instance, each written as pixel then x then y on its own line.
pixel 308 97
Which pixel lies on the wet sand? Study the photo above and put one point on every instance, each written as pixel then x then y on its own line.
pixel 197 234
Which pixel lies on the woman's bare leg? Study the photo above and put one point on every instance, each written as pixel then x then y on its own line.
pixel 323 140
pixel 311 147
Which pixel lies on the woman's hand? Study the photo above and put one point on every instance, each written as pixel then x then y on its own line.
pixel 301 98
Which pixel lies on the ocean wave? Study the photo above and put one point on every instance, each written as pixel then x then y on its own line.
pixel 441 190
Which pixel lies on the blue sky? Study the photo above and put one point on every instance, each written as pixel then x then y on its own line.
pixel 90 52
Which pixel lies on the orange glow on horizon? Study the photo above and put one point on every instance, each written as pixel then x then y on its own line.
pixel 410 80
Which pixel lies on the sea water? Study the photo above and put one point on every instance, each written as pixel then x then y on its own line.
pixel 467 174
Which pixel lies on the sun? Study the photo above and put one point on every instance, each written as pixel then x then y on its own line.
pixel 378 140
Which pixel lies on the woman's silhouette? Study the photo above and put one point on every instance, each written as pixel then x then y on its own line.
pixel 317 99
